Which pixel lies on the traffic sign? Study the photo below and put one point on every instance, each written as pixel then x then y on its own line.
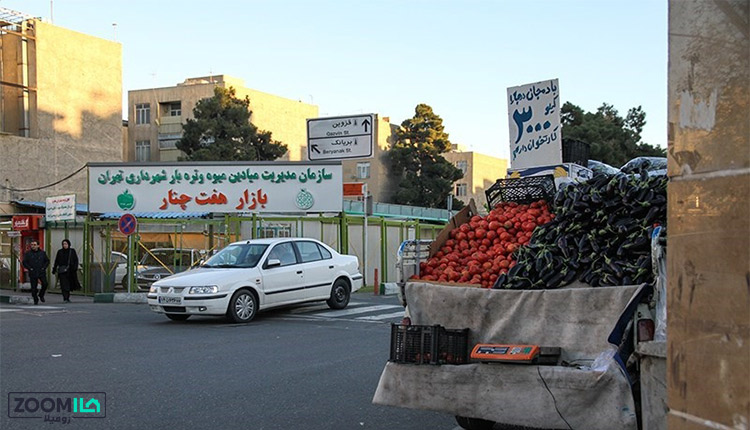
pixel 334 138
pixel 127 224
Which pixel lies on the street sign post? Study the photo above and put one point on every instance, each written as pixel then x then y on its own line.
pixel 128 225
pixel 336 138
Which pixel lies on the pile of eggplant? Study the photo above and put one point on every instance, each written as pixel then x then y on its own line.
pixel 601 235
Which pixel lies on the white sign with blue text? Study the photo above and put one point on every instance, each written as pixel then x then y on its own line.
pixel 534 124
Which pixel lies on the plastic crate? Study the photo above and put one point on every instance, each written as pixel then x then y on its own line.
pixel 421 344
pixel 575 151
pixel 453 346
pixel 521 190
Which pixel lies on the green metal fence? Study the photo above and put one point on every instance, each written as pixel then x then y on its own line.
pixel 101 246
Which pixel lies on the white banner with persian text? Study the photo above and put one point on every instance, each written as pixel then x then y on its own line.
pixel 250 187
pixel 534 124
pixel 60 208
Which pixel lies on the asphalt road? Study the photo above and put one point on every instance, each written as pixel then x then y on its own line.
pixel 299 368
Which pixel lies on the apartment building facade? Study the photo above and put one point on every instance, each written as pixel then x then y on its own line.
pixel 480 172
pixel 60 107
pixel 156 117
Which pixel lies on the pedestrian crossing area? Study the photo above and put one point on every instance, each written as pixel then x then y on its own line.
pixel 357 311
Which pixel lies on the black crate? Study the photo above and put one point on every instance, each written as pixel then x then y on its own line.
pixel 453 346
pixel 521 190
pixel 414 343
pixel 421 344
pixel 575 151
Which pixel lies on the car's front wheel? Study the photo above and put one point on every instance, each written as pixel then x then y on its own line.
pixel 339 295
pixel 242 307
pixel 177 317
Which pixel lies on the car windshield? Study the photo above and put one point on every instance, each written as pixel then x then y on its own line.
pixel 239 255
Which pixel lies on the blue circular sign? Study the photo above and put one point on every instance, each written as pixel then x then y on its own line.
pixel 127 224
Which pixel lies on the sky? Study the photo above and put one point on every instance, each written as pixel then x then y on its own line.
pixel 387 56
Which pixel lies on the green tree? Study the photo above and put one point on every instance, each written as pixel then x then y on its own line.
pixel 614 140
pixel 222 131
pixel 425 177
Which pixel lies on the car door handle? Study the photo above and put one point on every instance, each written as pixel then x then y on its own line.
pixel 299 272
pixel 330 267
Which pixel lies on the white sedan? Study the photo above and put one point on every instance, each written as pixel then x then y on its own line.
pixel 253 275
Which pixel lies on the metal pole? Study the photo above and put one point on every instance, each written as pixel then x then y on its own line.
pixel 364 247
pixel 131 274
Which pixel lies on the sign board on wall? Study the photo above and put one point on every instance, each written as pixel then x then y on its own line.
pixel 534 124
pixel 22 222
pixel 60 208
pixel 336 138
pixel 352 189
pixel 232 187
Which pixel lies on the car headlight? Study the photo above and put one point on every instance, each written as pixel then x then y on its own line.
pixel 153 289
pixel 208 289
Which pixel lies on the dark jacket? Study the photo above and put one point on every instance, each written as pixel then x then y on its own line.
pixel 67 257
pixel 35 262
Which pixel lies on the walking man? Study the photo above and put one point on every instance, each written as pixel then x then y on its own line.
pixel 35 261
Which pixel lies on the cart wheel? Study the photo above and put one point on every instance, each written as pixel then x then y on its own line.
pixel 474 423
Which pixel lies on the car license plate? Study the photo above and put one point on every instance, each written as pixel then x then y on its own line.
pixel 170 300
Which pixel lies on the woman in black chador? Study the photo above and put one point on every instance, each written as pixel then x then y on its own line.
pixel 66 268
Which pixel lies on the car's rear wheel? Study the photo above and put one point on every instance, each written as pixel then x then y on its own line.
pixel 177 317
pixel 242 307
pixel 339 295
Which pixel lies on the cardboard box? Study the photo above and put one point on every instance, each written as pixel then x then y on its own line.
pixel 462 217
pixel 563 173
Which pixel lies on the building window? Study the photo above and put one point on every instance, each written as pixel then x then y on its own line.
pixel 143 113
pixel 143 150
pixel 462 165
pixel 363 170
pixel 174 109
pixel 169 140
pixel 461 190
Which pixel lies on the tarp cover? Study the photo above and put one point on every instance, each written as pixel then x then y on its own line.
pixel 579 320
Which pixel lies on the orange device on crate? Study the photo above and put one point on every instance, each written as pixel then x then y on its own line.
pixel 513 353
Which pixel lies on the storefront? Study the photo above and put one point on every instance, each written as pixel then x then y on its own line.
pixel 31 228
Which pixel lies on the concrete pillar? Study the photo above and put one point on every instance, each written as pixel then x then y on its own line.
pixel 708 252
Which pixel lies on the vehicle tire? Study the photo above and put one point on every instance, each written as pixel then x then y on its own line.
pixel 242 307
pixel 177 317
pixel 339 295
pixel 474 423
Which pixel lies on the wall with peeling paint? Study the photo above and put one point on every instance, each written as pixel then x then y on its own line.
pixel 708 339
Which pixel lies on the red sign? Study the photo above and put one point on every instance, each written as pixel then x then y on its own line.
pixel 352 189
pixel 22 222
pixel 127 224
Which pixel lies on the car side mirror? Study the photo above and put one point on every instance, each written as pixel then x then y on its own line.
pixel 273 262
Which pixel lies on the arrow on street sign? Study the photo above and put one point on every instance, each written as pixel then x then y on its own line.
pixel 336 138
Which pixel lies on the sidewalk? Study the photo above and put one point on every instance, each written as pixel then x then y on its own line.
pixel 23 297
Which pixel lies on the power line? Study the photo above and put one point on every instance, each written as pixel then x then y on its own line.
pixel 44 186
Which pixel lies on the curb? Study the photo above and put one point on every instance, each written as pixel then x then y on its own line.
pixel 388 288
pixel 120 298
pixel 20 300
